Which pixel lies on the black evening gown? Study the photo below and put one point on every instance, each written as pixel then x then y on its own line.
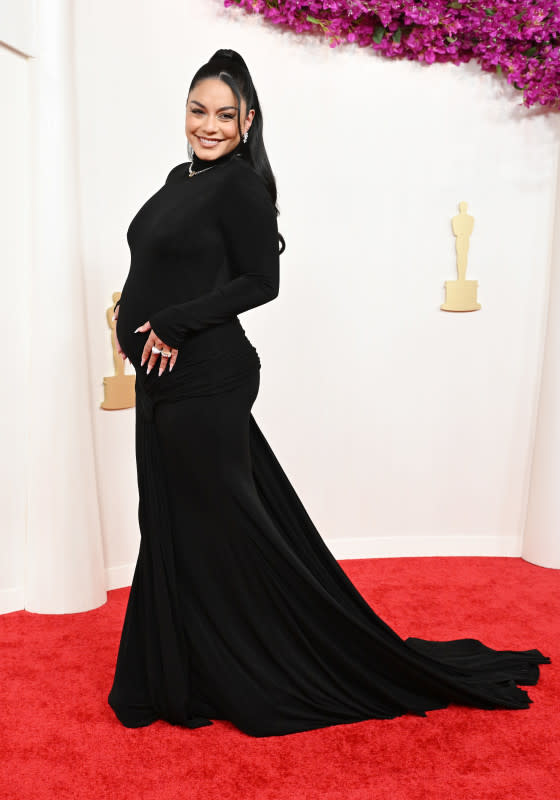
pixel 237 609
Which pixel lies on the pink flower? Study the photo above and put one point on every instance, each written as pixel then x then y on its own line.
pixel 517 37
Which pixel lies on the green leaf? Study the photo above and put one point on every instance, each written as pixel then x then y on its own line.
pixel 489 12
pixel 378 33
pixel 499 69
pixel 314 20
pixel 397 35
pixel 532 51
pixel 455 5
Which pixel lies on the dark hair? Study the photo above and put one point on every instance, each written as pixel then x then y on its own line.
pixel 229 67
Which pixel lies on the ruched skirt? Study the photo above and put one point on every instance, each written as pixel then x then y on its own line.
pixel 237 609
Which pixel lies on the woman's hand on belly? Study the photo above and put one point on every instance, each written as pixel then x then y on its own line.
pixel 153 341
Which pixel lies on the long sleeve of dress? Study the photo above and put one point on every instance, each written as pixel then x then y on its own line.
pixel 247 219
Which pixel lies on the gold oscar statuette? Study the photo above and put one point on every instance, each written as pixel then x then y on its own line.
pixel 118 388
pixel 460 295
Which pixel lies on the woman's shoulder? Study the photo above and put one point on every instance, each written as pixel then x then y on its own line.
pixel 177 171
pixel 240 166
pixel 240 175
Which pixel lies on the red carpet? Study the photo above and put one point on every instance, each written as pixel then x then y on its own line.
pixel 61 740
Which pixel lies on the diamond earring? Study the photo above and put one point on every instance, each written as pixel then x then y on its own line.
pixel 245 137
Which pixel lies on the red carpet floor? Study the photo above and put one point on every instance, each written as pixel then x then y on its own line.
pixel 61 740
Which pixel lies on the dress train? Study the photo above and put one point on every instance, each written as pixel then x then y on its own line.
pixel 239 611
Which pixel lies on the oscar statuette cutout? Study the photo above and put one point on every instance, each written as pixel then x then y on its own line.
pixel 460 295
pixel 118 388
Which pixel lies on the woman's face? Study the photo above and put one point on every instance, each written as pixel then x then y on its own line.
pixel 211 119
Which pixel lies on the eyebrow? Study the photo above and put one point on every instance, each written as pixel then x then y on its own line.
pixel 223 108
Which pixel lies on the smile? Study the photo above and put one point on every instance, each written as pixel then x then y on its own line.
pixel 209 142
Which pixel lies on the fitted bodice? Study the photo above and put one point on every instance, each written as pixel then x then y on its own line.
pixel 203 249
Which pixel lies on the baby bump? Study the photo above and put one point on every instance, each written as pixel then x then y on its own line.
pixel 212 361
pixel 131 343
pixel 205 349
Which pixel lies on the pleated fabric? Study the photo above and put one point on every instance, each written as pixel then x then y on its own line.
pixel 237 609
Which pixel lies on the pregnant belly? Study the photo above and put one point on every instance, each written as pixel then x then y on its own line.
pixel 209 361
pixel 132 343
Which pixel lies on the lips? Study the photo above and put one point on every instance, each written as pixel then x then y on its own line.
pixel 208 142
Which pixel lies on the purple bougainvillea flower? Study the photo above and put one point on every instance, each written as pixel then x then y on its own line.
pixel 518 39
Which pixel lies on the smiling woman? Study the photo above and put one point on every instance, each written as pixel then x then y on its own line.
pixel 213 126
pixel 213 119
pixel 237 609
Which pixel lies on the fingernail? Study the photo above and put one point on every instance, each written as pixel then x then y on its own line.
pixel 171 367
pixel 160 371
pixel 113 317
pixel 137 329
pixel 142 362
pixel 148 370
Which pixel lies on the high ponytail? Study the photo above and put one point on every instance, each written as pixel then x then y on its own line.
pixel 229 67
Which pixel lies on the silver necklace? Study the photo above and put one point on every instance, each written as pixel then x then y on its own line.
pixel 198 171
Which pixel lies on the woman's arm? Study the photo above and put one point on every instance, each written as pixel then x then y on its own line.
pixel 248 220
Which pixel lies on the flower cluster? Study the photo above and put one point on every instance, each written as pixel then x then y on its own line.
pixel 520 39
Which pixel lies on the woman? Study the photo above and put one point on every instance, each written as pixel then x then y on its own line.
pixel 237 609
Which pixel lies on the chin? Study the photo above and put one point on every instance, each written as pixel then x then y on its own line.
pixel 207 155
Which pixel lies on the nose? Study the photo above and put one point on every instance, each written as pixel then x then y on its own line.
pixel 210 124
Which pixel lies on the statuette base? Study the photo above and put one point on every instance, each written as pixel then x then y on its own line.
pixel 119 392
pixel 460 296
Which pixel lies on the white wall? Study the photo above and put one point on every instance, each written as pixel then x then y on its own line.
pixel 15 264
pixel 541 540
pixel 17 26
pixel 405 430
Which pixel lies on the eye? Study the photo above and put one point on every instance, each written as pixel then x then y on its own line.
pixel 196 111
pixel 227 116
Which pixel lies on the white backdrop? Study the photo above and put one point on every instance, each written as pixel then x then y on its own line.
pixel 405 430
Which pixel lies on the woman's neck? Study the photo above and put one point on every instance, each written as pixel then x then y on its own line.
pixel 199 163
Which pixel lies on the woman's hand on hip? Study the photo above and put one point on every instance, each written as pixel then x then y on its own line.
pixel 167 354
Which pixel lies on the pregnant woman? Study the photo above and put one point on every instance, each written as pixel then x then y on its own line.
pixel 237 608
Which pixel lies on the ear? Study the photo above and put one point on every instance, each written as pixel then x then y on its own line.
pixel 249 120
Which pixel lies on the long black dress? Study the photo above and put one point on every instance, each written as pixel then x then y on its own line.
pixel 237 608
